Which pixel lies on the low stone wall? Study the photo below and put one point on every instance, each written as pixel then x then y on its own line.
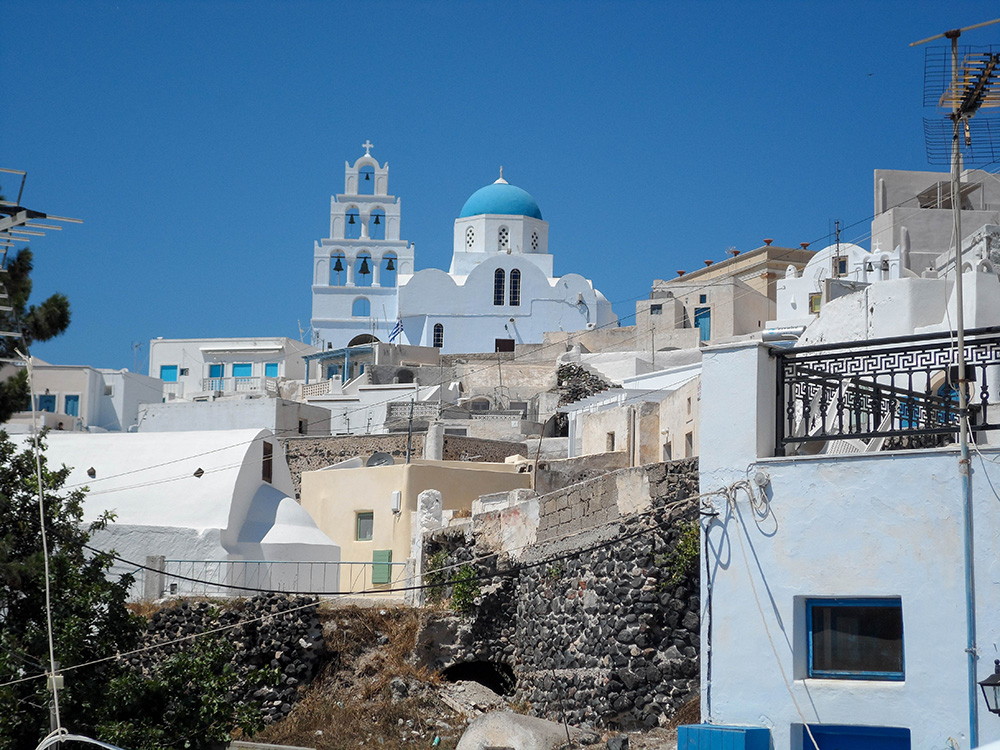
pixel 274 634
pixel 461 448
pixel 601 627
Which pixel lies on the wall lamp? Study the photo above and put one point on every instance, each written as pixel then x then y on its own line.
pixel 991 689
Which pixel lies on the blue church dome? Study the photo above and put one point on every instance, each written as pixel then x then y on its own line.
pixel 501 198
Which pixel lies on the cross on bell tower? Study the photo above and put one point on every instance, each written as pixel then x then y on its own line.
pixel 367 146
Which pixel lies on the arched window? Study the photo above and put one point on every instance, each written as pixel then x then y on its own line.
pixel 363 270
pixel 352 224
pixel 503 239
pixel 534 241
pixel 387 276
pixel 498 287
pixel 515 288
pixel 361 308
pixel 366 180
pixel 438 335
pixel 338 269
pixel 470 238
pixel 376 224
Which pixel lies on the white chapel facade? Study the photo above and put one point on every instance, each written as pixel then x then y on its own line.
pixel 500 290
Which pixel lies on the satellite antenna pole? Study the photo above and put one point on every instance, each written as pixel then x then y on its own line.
pixel 965 102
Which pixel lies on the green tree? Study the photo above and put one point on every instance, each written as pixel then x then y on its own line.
pixel 89 617
pixel 31 322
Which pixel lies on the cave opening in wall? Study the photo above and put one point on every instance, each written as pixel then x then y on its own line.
pixel 495 675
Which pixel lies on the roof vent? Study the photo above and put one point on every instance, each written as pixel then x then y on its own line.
pixel 768 241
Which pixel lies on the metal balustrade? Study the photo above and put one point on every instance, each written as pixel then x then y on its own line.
pixel 884 393
pixel 235 578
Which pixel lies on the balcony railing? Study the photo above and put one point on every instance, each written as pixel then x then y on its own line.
pixel 884 393
pixel 234 578
pixel 401 410
pixel 241 385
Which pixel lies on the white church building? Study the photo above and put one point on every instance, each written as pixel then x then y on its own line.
pixel 499 291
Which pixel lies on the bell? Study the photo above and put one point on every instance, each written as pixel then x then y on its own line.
pixel 870 268
pixel 885 264
pixel 390 266
pixel 350 218
pixel 367 176
pixel 377 222
pixel 338 266
pixel 364 270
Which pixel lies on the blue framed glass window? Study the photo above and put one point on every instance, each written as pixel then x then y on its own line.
pixel 855 639
pixel 271 370
pixel 332 371
pixel 72 406
pixel 168 373
pixel 46 402
pixel 242 370
pixel 216 371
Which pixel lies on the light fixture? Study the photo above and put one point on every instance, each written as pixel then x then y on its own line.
pixel 377 222
pixel 199 473
pixel 390 266
pixel 364 270
pixel 991 689
pixel 91 472
pixel 350 218
pixel 338 266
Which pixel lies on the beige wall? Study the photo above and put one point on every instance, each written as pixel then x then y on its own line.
pixel 679 417
pixel 334 498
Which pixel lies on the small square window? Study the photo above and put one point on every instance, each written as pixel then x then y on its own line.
pixel 656 309
pixel 815 301
pixel 855 639
pixel 365 526
pixel 702 299
pixel 168 373
pixel 185 371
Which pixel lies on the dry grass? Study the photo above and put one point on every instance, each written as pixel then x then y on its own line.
pixel 352 703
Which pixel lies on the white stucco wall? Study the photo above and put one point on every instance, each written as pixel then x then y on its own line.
pixel 888 524
pixel 283 418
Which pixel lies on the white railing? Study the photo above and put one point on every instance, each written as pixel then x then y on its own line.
pixel 240 385
pixel 235 578
pixel 175 390
pixel 401 410
pixel 498 414
pixel 321 388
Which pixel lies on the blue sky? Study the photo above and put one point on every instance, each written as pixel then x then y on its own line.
pixel 201 141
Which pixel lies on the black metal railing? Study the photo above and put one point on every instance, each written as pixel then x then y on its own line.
pixel 881 393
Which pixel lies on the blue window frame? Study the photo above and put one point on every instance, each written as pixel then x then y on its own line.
pixel 703 322
pixel 271 370
pixel 216 371
pixel 72 405
pixel 855 639
pixel 242 370
pixel 332 371
pixel 47 402
pixel 168 373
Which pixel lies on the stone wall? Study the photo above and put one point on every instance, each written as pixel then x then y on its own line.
pixel 311 454
pixel 601 626
pixel 277 644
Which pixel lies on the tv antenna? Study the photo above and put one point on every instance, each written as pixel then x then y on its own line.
pixel 973 86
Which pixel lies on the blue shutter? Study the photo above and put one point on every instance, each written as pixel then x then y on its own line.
pixel 168 373
pixel 271 370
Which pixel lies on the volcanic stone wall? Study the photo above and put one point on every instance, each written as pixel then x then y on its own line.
pixel 277 644
pixel 599 628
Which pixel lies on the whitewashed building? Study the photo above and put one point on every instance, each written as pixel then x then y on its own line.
pixel 76 398
pixel 500 290
pixel 204 369
pixel 209 499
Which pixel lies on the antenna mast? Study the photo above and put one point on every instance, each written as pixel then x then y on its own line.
pixel 965 99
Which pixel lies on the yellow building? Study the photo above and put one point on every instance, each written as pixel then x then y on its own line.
pixel 368 510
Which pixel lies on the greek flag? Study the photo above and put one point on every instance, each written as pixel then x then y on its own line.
pixel 396 330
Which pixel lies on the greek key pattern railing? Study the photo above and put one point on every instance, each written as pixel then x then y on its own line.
pixel 882 393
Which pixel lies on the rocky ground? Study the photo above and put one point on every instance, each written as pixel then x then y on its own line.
pixel 370 693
